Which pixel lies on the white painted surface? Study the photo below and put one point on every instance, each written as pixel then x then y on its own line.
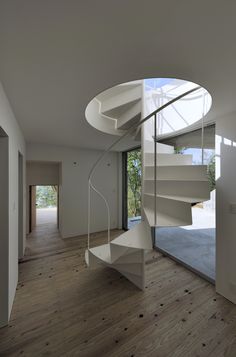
pixel 79 52
pixel 16 144
pixel 119 96
pixel 177 173
pixel 168 159
pixel 211 204
pixel 170 213
pixel 42 173
pixel 202 218
pixel 21 218
pixel 138 237
pixel 189 189
pixel 125 253
pixel 75 167
pixel 4 229
pixel 225 194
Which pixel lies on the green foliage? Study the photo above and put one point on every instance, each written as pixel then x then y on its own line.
pixel 179 149
pixel 211 173
pixel 134 171
pixel 46 196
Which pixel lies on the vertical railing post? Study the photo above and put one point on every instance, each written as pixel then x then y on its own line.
pixel 202 136
pixel 89 213
pixel 108 224
pixel 155 168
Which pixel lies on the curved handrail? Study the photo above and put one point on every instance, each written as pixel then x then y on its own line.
pixel 130 130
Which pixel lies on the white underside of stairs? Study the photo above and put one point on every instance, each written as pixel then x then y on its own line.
pixel 124 254
pixel 179 184
pixel 168 159
pixel 169 213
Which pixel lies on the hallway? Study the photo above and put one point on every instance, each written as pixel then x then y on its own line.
pixel 43 240
pixel 46 215
pixel 63 309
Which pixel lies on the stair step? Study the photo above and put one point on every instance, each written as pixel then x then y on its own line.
pixel 132 256
pixel 138 237
pixel 167 159
pixel 118 251
pixel 165 220
pixel 161 148
pixel 133 269
pixel 119 98
pixel 179 198
pixel 137 134
pixel 169 212
pixel 177 173
pixel 129 117
pixel 102 252
pixel 179 188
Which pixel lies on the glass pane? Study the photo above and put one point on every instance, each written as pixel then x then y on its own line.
pixel 181 114
pixel 134 172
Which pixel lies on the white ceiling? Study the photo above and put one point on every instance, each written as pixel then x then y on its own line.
pixel 56 55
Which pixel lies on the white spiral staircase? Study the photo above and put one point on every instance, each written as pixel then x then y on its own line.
pixel 171 184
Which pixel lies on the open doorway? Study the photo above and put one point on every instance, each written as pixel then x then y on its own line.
pixel 43 201
pixel 43 182
pixel 47 205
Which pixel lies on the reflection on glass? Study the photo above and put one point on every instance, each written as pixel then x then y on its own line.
pixel 184 112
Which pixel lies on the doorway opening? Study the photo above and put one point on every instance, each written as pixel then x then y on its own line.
pixel 43 206
pixel 46 205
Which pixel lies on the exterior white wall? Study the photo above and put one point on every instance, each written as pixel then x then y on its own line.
pixel 75 167
pixel 16 144
pixel 225 196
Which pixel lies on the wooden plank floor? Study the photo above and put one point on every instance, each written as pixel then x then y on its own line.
pixel 64 309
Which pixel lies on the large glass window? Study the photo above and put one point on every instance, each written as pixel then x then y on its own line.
pixel 194 245
pixel 132 188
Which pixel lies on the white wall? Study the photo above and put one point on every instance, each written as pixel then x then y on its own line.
pixel 225 195
pixel 4 228
pixel 42 173
pixel 16 145
pixel 75 167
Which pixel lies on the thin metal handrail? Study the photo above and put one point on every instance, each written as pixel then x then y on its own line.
pixel 129 131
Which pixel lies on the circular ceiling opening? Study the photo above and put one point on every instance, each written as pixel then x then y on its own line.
pixel 117 109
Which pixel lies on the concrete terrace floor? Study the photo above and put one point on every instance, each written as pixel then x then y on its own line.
pixel 46 215
pixel 193 245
